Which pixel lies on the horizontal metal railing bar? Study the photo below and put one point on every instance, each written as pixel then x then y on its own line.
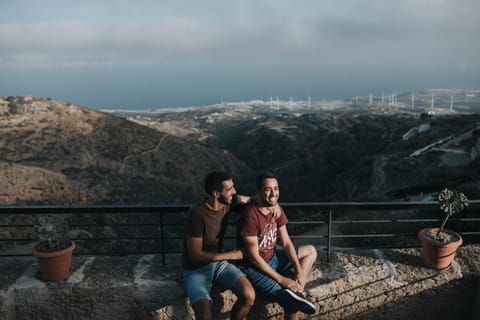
pixel 97 209
pixel 363 235
pixel 385 221
pixel 72 226
pixel 128 224
pixel 28 225
pixel 402 220
pixel 93 239
pixel 349 248
pixel 110 253
pixel 371 205
pixel 376 235
pixel 322 235
pixel 359 235
pixel 295 222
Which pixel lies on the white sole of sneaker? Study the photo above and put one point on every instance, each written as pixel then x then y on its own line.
pixel 309 307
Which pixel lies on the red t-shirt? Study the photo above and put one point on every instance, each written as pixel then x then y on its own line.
pixel 255 223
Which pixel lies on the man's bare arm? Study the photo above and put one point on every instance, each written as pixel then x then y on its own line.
pixel 289 249
pixel 257 261
pixel 196 253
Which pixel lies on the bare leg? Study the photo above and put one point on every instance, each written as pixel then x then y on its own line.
pixel 292 315
pixel 245 293
pixel 307 255
pixel 202 309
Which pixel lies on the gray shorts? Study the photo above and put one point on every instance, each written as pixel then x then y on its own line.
pixel 198 282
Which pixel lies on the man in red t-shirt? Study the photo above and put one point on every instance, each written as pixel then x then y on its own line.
pixel 259 231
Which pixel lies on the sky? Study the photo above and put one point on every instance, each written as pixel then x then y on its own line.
pixel 121 54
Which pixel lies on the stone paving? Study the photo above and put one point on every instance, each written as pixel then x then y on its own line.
pixel 359 284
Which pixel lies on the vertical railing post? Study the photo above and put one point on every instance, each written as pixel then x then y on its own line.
pixel 329 233
pixel 162 238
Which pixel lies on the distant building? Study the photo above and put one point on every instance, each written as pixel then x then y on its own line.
pixel 415 130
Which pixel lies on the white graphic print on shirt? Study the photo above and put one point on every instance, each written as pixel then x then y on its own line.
pixel 268 238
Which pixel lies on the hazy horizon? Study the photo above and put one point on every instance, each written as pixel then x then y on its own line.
pixel 150 54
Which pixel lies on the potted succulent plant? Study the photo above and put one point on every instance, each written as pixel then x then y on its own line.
pixel 54 251
pixel 439 245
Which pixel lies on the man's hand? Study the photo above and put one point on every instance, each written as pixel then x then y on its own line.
pixel 301 279
pixel 290 284
pixel 238 254
pixel 276 212
pixel 243 199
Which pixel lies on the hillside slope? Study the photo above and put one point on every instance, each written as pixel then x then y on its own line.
pixel 347 154
pixel 58 153
pixel 352 157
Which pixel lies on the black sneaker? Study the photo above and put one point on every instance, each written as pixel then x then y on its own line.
pixel 304 305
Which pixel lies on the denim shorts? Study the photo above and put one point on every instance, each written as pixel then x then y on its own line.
pixel 270 287
pixel 198 282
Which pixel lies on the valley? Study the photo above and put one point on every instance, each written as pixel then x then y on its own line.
pixel 360 149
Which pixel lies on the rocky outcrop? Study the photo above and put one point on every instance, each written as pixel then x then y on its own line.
pixel 360 284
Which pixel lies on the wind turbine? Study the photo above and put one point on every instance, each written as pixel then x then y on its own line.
pixel 451 101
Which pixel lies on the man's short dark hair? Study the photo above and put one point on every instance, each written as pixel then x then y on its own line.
pixel 261 177
pixel 214 180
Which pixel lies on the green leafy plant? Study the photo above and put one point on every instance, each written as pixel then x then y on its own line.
pixel 52 231
pixel 451 202
pixel 439 245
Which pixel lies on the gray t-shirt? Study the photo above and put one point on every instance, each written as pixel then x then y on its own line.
pixel 201 221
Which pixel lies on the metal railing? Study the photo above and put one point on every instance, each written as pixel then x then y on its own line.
pixel 144 229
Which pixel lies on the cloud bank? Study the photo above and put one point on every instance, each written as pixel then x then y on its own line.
pixel 331 37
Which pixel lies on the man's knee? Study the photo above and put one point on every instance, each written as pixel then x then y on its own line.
pixel 312 251
pixel 202 309
pixel 244 290
pixel 308 251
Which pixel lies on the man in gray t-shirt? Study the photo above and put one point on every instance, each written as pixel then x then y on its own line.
pixel 203 260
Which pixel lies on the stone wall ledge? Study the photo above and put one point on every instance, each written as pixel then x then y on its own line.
pixel 357 284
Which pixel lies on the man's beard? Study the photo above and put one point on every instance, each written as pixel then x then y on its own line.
pixel 223 200
pixel 269 203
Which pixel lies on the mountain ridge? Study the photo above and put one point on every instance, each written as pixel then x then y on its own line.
pixel 60 153
pixel 347 153
pixel 94 157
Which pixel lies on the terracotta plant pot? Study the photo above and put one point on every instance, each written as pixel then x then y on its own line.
pixel 436 254
pixel 55 266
